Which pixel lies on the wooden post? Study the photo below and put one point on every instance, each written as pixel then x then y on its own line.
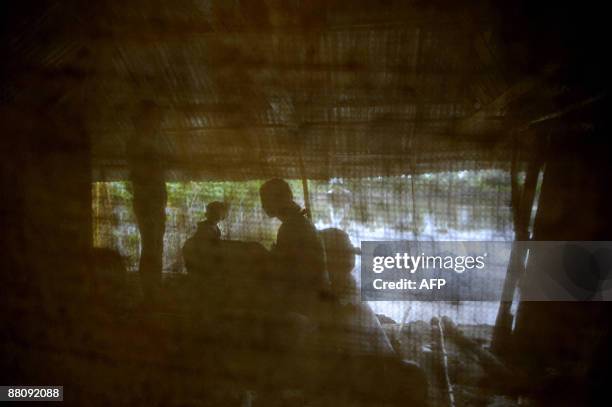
pixel 574 205
pixel 522 203
pixel 149 196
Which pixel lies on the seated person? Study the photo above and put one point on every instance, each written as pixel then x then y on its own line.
pixel 208 233
pixel 221 273
pixel 298 257
pixel 349 314
pixel 340 260
pixel 366 362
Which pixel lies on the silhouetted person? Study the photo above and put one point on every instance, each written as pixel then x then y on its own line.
pixel 349 314
pixel 209 229
pixel 366 362
pixel 340 256
pixel 298 255
pixel 207 233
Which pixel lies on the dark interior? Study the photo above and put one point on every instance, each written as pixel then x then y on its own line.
pixel 411 109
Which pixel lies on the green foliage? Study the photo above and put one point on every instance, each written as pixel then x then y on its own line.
pixel 376 202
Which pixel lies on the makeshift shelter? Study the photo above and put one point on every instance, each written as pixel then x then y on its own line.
pixel 152 92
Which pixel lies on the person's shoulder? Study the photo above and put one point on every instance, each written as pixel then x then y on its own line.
pixel 288 228
pixel 205 224
pixel 294 226
pixel 298 222
pixel 189 246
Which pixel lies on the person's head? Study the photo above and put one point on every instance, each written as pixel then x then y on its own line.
pixel 216 211
pixel 276 197
pixel 340 257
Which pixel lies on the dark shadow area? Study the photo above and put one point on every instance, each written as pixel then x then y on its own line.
pixel 186 186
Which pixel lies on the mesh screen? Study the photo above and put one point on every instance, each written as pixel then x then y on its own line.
pixel 453 205
pixel 462 205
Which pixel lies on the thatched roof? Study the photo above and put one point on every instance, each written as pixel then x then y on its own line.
pixel 247 89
